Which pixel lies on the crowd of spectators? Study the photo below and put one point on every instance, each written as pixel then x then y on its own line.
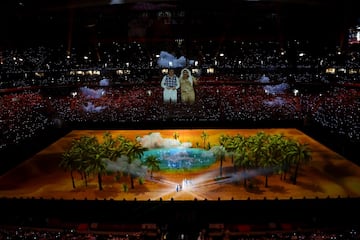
pixel 21 233
pixel 298 61
pixel 27 113
pixel 40 87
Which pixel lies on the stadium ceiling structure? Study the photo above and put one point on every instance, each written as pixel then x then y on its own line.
pixel 42 20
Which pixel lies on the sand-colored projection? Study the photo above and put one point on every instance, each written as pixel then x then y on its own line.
pixel 328 174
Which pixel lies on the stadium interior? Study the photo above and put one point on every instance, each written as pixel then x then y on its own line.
pixel 96 65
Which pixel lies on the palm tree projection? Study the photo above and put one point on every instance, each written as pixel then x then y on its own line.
pixel 176 135
pixel 219 152
pixel 152 162
pixel 260 154
pixel 204 136
pixel 81 157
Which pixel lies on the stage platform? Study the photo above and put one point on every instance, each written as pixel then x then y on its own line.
pixel 43 184
pixel 327 175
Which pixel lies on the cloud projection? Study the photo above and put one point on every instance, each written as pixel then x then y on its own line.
pixel 168 60
pixel 155 140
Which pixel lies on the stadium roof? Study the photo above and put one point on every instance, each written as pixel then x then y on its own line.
pixel 25 21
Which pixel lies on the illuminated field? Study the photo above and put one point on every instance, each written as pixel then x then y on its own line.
pixel 327 174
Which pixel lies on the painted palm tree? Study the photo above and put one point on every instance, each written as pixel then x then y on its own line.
pixel 112 149
pixel 98 152
pixel 219 152
pixel 227 142
pixel 118 150
pixel 152 162
pixel 301 153
pixel 85 155
pixel 133 151
pixel 176 135
pixel 232 144
pixel 204 136
pixel 243 156
pixel 273 156
pixel 90 156
pixel 243 159
pixel 68 163
pixel 257 147
pixel 287 159
pixel 134 168
pixel 109 146
pixel 120 147
pixel 81 148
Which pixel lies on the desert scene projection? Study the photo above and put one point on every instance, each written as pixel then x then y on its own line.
pixel 185 165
